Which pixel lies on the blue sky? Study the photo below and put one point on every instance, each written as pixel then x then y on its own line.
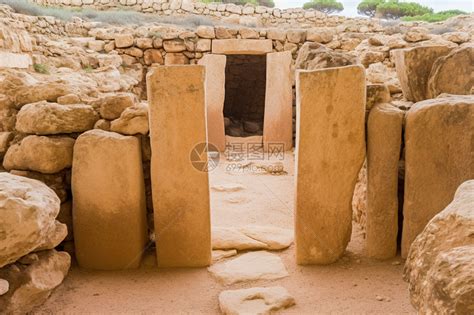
pixel 350 6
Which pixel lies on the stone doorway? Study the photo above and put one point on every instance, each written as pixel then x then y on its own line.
pixel 244 102
pixel 245 80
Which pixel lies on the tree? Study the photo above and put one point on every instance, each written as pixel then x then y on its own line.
pixel 326 6
pixel 393 9
pixel 369 7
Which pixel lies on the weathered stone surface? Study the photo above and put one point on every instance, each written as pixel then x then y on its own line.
pixel 438 158
pixel 251 266
pixel 258 300
pixel 28 209
pixel 376 94
pixel 133 120
pixel 327 172
pixel 123 40
pixel 178 137
pixel 413 69
pixel 453 73
pixel 13 60
pixel 313 56
pixel 117 206
pixel 320 35
pixel 50 91
pixel 4 286
pixel 251 237
pixel 41 154
pixel 111 106
pixel 5 138
pixel 50 118
pixel 450 283
pixel 241 46
pixel 278 120
pixel 31 284
pixel 221 254
pixel 439 266
pixel 384 137
pixel 153 56
pixel 215 94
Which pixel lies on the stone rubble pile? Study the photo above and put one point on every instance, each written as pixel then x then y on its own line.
pixel 30 268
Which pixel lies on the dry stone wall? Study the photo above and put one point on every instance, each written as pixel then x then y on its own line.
pixel 248 14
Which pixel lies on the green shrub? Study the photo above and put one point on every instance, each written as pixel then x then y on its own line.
pixel 41 68
pixel 326 6
pixel 369 7
pixel 393 9
pixel 434 17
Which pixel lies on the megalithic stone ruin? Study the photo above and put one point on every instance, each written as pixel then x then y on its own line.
pixel 330 152
pixel 180 183
pixel 109 212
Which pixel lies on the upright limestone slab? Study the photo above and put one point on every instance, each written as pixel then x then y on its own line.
pixel 180 186
pixel 384 137
pixel 330 153
pixel 278 120
pixel 109 212
pixel 215 94
pixel 438 158
pixel 413 69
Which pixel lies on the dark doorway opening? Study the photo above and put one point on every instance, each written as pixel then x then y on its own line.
pixel 244 105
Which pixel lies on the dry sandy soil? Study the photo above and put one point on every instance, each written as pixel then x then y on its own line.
pixel 354 285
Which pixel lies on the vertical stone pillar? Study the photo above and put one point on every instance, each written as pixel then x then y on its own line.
pixel 330 152
pixel 384 137
pixel 215 95
pixel 438 158
pixel 109 211
pixel 180 183
pixel 278 119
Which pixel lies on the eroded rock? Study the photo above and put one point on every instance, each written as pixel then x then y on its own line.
pixel 313 56
pixel 31 284
pixel 39 153
pixel 28 209
pixel 439 267
pixel 255 300
pixel 50 118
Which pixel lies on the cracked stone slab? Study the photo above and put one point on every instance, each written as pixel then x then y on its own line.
pixel 255 300
pixel 260 265
pixel 251 237
pixel 221 254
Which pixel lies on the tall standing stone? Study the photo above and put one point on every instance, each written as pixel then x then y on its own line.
pixel 330 153
pixel 278 120
pixel 180 182
pixel 438 158
pixel 109 212
pixel 384 137
pixel 215 95
pixel 413 69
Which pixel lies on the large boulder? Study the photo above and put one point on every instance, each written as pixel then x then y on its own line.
pixel 440 268
pixel 453 73
pixel 39 153
pixel 28 209
pixel 32 279
pixel 413 69
pixel 438 158
pixel 111 105
pixel 50 118
pixel 316 56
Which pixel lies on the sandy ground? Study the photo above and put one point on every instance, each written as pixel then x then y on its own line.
pixel 354 285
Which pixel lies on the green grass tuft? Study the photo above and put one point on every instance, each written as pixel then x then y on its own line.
pixel 41 68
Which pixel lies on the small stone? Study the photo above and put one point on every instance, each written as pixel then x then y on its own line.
pixel 123 40
pixel 255 300
pixel 221 254
pixel 4 286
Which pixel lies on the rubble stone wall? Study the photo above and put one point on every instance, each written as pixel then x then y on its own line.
pixel 250 13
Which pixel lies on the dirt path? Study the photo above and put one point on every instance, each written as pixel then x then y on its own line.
pixel 354 285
